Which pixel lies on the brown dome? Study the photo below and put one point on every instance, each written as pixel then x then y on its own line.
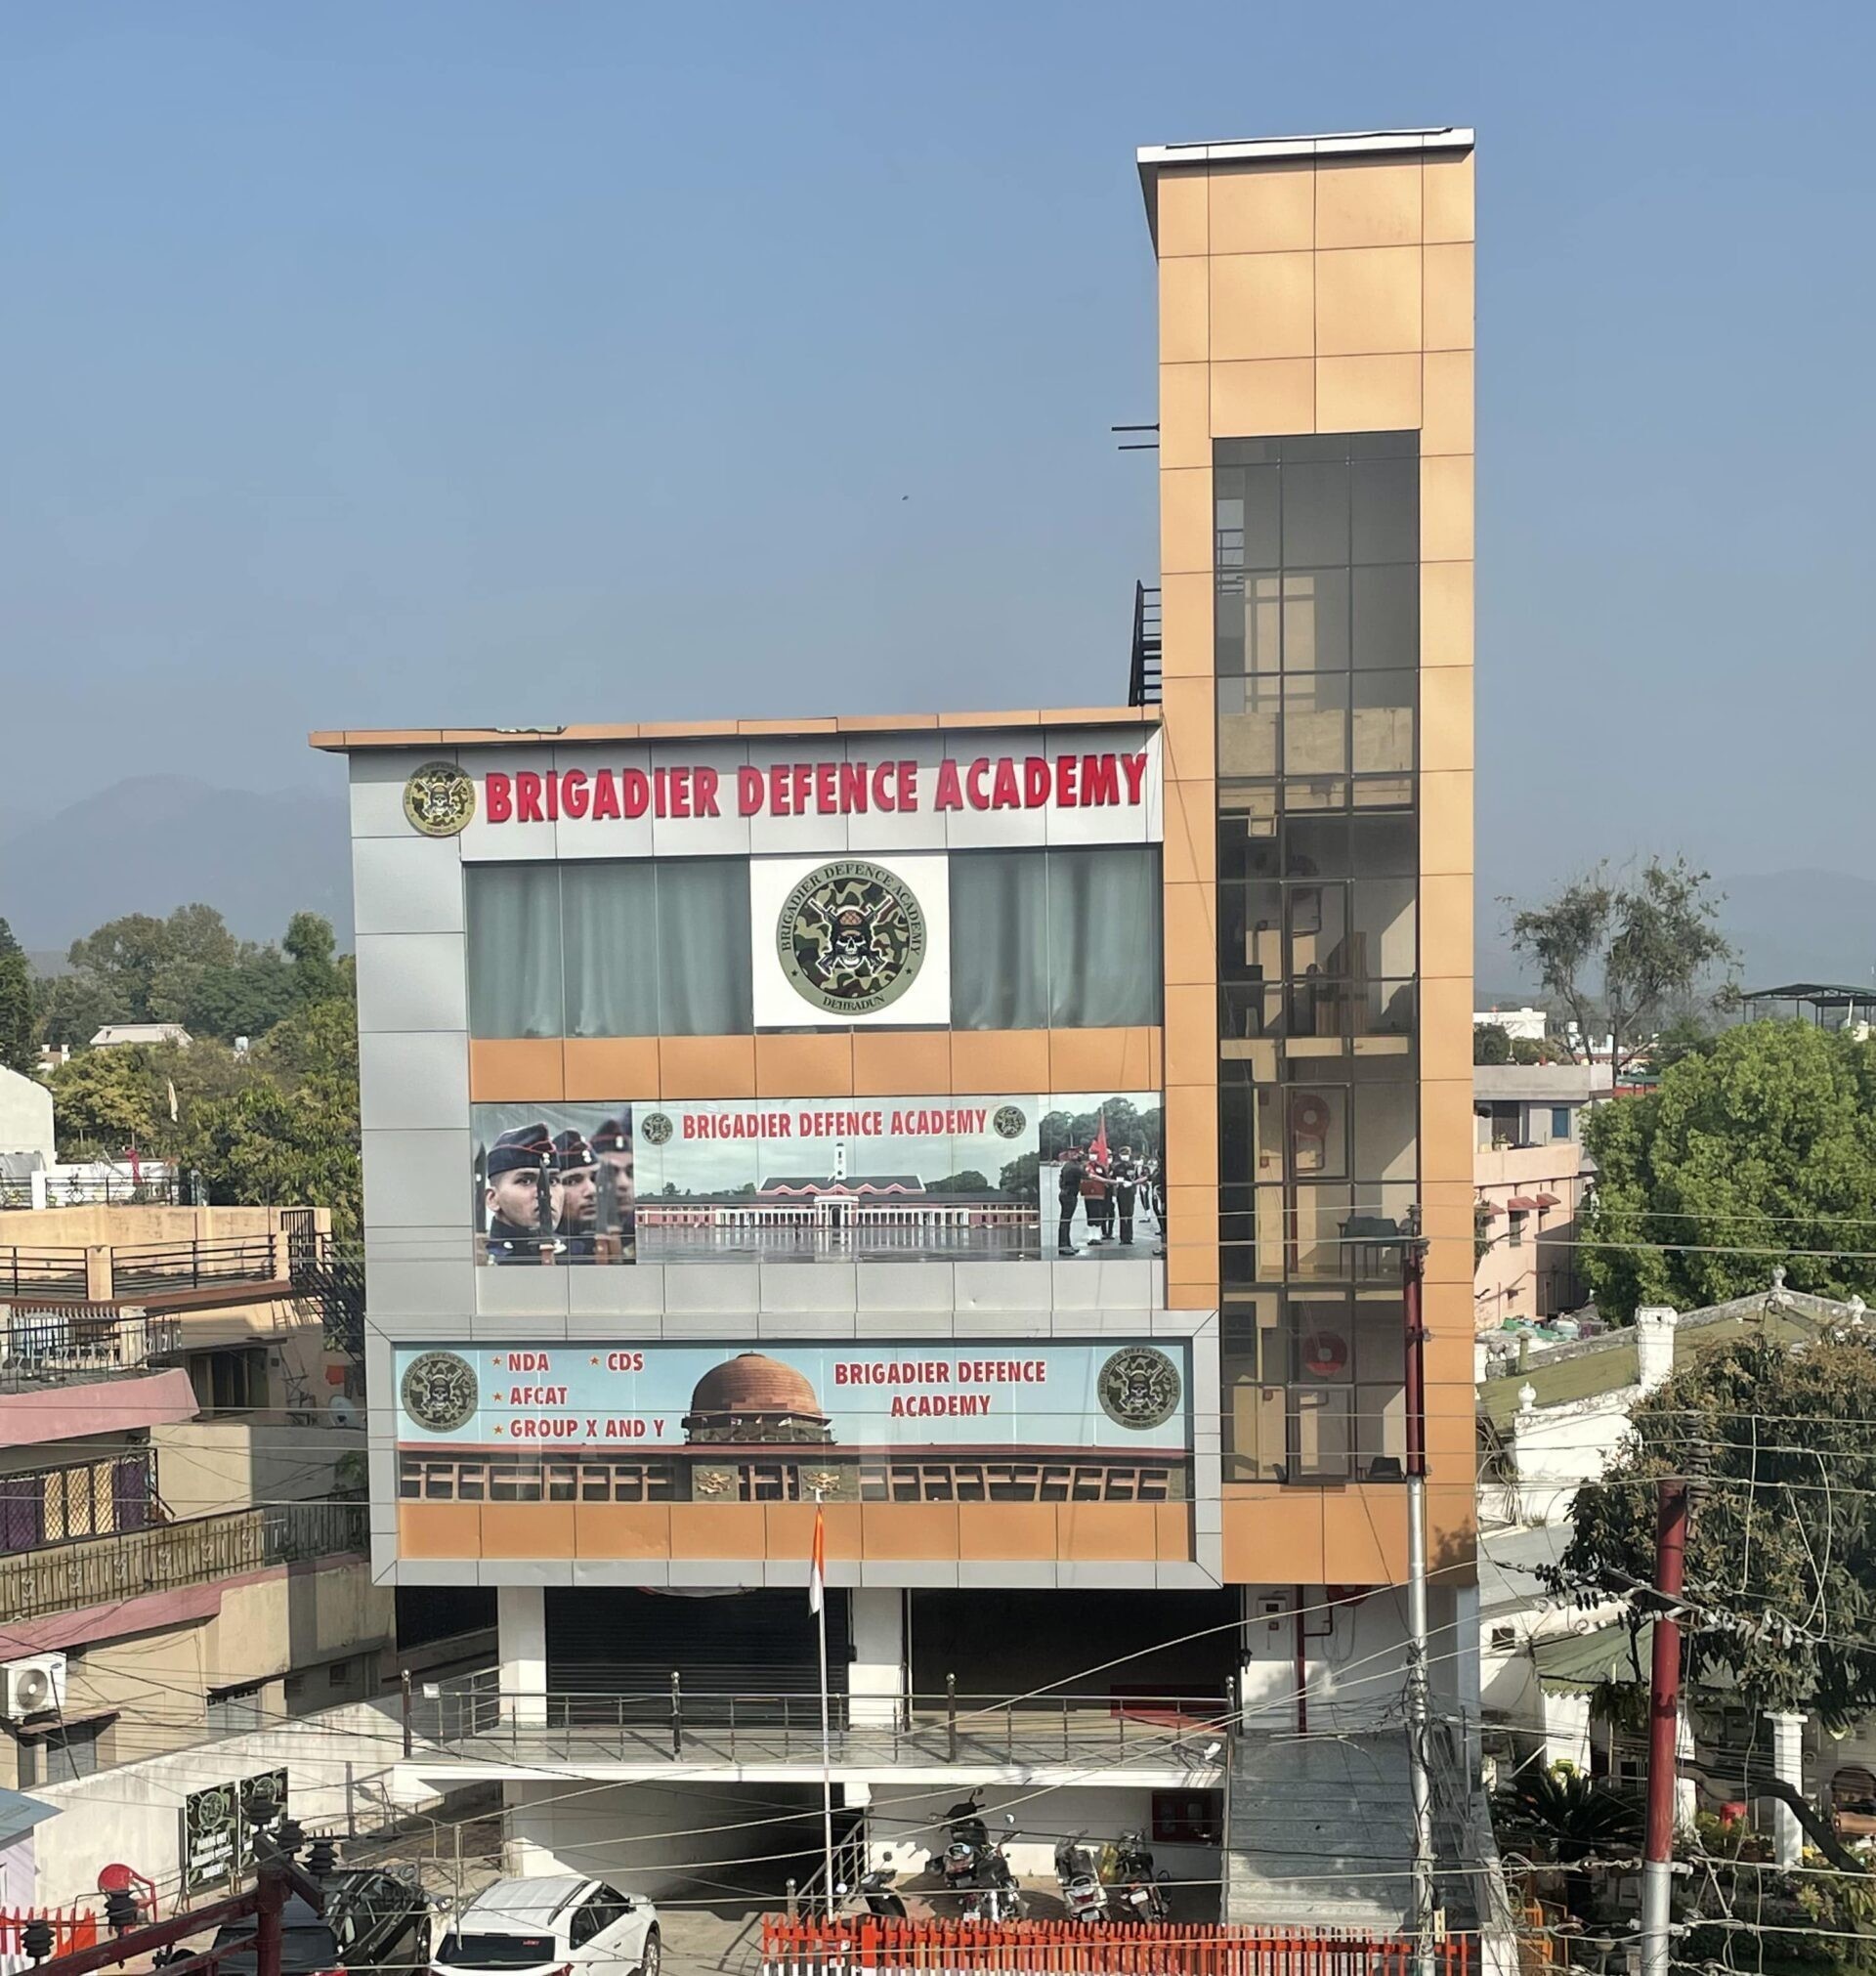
pixel 753 1383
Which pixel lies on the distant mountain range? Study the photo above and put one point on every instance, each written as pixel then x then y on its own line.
pixel 159 841
pixel 1798 926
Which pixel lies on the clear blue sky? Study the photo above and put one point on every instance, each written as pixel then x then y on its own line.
pixel 381 364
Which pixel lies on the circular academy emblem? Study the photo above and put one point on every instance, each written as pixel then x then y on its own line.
pixel 439 800
pixel 851 937
pixel 438 1391
pixel 1140 1386
pixel 1009 1120
pixel 655 1127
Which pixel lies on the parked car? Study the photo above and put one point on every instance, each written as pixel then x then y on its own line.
pixel 543 1927
pixel 373 1921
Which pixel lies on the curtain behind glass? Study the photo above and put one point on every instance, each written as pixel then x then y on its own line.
pixel 1000 940
pixel 514 950
pixel 705 984
pixel 1103 937
pixel 608 922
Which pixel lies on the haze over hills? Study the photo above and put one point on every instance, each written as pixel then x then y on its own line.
pixel 157 841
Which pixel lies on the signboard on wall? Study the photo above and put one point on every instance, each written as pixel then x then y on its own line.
pixel 1010 1419
pixel 1012 1177
pixel 841 942
pixel 218 1842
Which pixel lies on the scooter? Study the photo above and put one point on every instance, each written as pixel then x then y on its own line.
pixel 996 1879
pixel 876 1889
pixel 1078 1875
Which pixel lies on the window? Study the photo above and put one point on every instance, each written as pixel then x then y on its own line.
pixel 1188 1817
pixel 1060 939
pixel 230 1709
pixel 1517 1234
pixel 614 947
pixel 228 1382
pixel 1504 1638
pixel 61 1755
pixel 338 1674
pixel 1560 1121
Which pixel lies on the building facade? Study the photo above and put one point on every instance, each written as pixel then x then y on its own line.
pixel 1001 1130
pixel 1532 1175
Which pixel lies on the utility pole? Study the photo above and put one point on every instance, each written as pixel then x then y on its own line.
pixel 1413 1270
pixel 1664 1722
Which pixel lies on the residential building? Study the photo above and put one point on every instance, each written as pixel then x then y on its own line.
pixel 183 1534
pixel 1521 1025
pixel 736 1098
pixel 1531 1175
pixel 26 1119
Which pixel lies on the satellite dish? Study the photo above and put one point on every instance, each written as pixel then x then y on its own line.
pixel 341 1411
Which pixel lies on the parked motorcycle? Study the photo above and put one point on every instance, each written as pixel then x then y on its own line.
pixel 1139 1893
pixel 967 1839
pixel 876 1889
pixel 997 1878
pixel 1078 1873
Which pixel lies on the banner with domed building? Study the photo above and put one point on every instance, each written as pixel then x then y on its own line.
pixel 922 1419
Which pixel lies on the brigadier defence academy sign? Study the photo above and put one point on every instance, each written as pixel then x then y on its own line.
pixel 850 937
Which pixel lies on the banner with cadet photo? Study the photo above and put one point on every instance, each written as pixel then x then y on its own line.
pixel 1005 1177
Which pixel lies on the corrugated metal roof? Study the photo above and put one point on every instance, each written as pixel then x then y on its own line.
pixel 1577 1663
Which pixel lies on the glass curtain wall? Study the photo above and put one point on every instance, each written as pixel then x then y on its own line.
pixel 1318 644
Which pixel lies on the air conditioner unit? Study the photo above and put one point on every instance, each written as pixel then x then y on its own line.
pixel 34 1686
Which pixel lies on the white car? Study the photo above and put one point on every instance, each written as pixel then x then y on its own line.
pixel 552 1926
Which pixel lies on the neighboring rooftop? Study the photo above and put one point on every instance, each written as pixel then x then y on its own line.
pixel 114 1033
pixel 1541 1082
pixel 1607 1363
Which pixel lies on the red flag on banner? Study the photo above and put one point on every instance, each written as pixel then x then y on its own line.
pixel 1097 1145
pixel 818 1564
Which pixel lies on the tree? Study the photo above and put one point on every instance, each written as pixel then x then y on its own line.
pixel 1782 1553
pixel 1763 1142
pixel 17 1052
pixel 1491 1043
pixel 969 1182
pixel 122 959
pixel 1626 957
pixel 71 1009
pixel 309 945
pixel 104 1100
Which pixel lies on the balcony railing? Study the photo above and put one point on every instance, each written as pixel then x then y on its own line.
pixel 109 1271
pixel 154 1186
pixel 82 1341
pixel 101 1571
pixel 1143 668
pixel 674 1722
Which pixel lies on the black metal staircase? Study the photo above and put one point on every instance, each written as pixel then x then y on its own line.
pixel 1144 676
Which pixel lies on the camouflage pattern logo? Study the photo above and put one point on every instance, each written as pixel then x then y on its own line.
pixel 1009 1120
pixel 438 1391
pixel 851 937
pixel 439 800
pixel 1140 1386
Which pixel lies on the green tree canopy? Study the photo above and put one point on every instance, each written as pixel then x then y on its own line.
pixel 1764 1143
pixel 1626 955
pixel 18 1050
pixel 1491 1043
pixel 1781 1555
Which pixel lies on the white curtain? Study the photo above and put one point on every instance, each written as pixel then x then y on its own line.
pixel 514 950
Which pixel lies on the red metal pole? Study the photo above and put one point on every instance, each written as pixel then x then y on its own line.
pixel 1664 1722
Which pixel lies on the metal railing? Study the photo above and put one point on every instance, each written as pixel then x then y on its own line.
pixel 152 1269
pixel 194 1265
pixel 108 1190
pixel 81 1341
pixel 100 1570
pixel 1143 669
pixel 473 1717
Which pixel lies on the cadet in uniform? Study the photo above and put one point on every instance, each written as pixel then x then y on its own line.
pixel 578 1171
pixel 1126 1191
pixel 523 1196
pixel 1068 1194
pixel 612 1146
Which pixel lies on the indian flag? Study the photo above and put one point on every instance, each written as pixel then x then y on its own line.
pixel 818 1564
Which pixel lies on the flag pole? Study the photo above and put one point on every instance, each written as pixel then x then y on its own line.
pixel 818 1598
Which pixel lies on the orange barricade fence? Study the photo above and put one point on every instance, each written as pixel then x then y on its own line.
pixel 865 1942
pixel 72 1928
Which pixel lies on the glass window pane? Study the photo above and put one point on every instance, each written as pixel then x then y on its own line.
pixel 514 949
pixel 1386 615
pixel 1384 510
pixel 1103 937
pixel 1248 726
pixel 1383 722
pixel 1315 620
pixel 1318 933
pixel 1316 728
pixel 1315 514
pixel 1000 972
pixel 1384 848
pixel 1386 1128
pixel 608 922
pixel 1316 1136
pixel 1250 932
pixel 1263 498
pixel 1227 617
pixel 1382 929
pixel 1315 847
pixel 704 963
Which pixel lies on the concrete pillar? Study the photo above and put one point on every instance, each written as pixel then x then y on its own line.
pixel 98 1274
pixel 37 1179
pixel 1654 1344
pixel 520 1621
pixel 1788 1765
pixel 876 1676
